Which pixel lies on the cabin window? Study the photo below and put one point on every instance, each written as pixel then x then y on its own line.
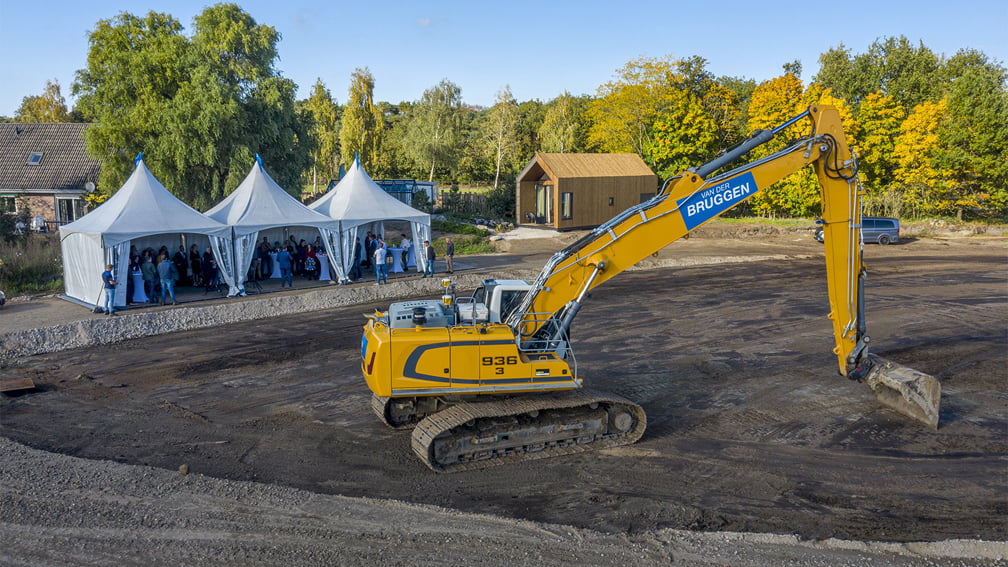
pixel 566 206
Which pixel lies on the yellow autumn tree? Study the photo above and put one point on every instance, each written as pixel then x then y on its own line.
pixel 880 118
pixel 921 183
pixel 773 103
pixel 623 111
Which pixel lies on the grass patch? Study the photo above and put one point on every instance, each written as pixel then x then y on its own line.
pixel 458 228
pixel 31 264
pixel 465 245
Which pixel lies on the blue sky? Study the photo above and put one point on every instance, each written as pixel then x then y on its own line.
pixel 538 48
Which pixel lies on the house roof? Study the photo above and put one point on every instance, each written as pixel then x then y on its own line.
pixel 64 166
pixel 586 165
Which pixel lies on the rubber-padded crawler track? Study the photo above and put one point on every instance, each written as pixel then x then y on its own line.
pixel 452 421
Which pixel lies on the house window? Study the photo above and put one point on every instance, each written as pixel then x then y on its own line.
pixel 566 206
pixel 612 201
pixel 7 204
pixel 69 210
pixel 35 159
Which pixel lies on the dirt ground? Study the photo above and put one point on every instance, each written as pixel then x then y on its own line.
pixel 722 339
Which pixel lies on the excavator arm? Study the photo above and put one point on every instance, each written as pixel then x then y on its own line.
pixel 689 200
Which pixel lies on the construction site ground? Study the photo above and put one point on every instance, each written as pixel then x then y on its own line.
pixel 723 339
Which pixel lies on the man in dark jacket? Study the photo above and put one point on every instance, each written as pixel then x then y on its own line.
pixel 429 268
pixel 449 256
pixel 181 261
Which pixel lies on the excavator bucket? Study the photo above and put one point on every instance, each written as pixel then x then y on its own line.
pixel 908 391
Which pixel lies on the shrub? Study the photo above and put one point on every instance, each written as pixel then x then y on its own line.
pixel 458 228
pixel 31 264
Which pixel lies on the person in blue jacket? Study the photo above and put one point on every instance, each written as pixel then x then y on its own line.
pixel 285 261
pixel 109 288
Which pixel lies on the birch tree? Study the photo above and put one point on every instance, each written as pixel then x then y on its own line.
pixel 499 131
pixel 433 134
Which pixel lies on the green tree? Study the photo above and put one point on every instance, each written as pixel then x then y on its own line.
pixel 323 114
pixel 891 66
pixel 532 114
pixel 973 137
pixel 691 75
pixel 499 131
pixel 362 124
pixel 237 49
pixel 435 128
pixel 793 67
pixel 392 160
pixel 48 107
pixel 134 69
pixel 199 108
pixel 683 137
pixel 277 132
pixel 562 129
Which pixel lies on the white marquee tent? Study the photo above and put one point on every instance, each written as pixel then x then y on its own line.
pixel 359 204
pixel 260 204
pixel 141 209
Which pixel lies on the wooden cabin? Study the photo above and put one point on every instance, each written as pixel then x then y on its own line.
pixel 572 191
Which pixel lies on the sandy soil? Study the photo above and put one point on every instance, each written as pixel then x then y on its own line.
pixel 722 339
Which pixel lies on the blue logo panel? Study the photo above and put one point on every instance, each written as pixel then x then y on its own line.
pixel 712 201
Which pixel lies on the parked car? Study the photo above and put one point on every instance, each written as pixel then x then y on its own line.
pixel 3 299
pixel 882 230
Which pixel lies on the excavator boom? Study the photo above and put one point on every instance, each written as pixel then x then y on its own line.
pixel 689 200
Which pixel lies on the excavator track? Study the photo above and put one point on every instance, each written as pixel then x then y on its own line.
pixel 405 413
pixel 475 435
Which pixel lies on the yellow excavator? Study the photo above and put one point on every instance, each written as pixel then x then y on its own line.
pixel 491 379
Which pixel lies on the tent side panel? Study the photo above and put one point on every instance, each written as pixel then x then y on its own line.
pixel 83 264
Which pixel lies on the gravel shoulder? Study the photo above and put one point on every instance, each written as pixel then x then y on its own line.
pixel 60 510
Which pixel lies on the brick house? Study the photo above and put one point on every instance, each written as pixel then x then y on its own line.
pixel 46 169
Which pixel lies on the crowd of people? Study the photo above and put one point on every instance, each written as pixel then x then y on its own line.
pixel 162 271
pixel 294 258
pixel 373 255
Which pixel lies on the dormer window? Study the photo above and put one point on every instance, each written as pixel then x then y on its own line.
pixel 35 158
